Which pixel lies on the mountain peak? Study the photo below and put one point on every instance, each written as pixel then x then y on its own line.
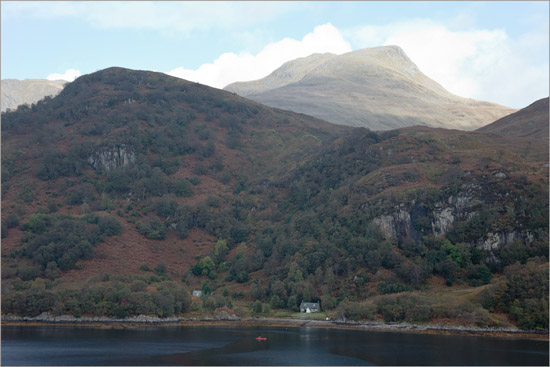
pixel 379 88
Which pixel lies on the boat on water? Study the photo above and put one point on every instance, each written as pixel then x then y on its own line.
pixel 261 338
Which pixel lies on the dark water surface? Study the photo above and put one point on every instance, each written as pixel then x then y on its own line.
pixel 237 346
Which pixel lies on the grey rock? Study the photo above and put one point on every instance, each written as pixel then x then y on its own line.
pixel 108 159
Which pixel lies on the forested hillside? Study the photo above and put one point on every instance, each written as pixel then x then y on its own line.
pixel 130 189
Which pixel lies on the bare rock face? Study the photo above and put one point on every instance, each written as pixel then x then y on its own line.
pixel 379 88
pixel 402 222
pixel 18 92
pixel 496 240
pixel 111 158
pixel 443 221
pixel 394 225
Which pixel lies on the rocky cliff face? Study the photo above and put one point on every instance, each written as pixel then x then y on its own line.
pixel 402 223
pixel 108 159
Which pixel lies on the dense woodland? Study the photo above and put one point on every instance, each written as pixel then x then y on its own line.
pixel 289 207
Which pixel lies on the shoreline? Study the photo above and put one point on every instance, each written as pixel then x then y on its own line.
pixel 145 321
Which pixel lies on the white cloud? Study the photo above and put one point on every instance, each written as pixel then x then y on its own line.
pixel 69 75
pixel 230 67
pixel 474 63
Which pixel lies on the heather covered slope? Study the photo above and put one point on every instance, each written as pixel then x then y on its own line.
pixel 137 187
pixel 529 122
pixel 17 92
pixel 379 88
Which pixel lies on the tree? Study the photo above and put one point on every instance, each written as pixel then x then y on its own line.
pixel 154 229
pixel 160 269
pixel 204 267
pixel 220 250
pixel 294 272
pixel 255 290
pixel 109 225
pixel 257 307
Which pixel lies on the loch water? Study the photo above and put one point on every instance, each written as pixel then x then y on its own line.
pixel 237 346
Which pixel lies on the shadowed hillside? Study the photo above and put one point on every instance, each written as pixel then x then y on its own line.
pixel 530 122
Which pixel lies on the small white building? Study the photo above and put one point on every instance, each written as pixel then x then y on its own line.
pixel 309 307
pixel 197 293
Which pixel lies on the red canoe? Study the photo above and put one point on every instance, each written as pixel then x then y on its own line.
pixel 261 338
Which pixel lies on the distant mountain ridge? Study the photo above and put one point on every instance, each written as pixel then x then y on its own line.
pixel 379 88
pixel 529 122
pixel 17 92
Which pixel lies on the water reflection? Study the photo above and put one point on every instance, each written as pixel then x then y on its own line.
pixel 238 346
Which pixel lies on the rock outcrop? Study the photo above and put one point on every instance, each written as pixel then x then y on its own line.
pixel 111 158
pixel 403 221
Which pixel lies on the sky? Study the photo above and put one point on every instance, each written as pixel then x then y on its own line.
pixel 496 51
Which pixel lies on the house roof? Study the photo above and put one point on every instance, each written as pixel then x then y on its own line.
pixel 309 304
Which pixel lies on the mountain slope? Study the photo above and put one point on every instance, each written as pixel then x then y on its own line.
pixel 17 92
pixel 529 122
pixel 289 72
pixel 130 188
pixel 379 88
pixel 132 137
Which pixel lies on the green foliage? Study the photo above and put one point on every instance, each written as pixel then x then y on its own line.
pixel 182 188
pixel 405 308
pixel 153 229
pixel 523 294
pixel 144 267
pixel 55 164
pixel 84 193
pixel 386 288
pixel 11 220
pixel 38 223
pixel 194 180
pixel 478 275
pixel 205 267
pixel 160 269
pixel 452 252
pixel 220 251
pixel 242 276
pixel 255 290
pixel 62 240
pixel 354 311
pixel 122 297
pixel 109 225
pixel 166 207
pixel 257 307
